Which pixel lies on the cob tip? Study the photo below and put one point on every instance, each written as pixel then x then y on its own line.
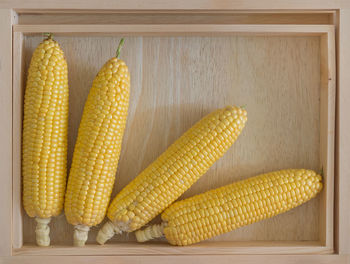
pixel 80 235
pixel 42 231
pixel 107 232
pixel 151 232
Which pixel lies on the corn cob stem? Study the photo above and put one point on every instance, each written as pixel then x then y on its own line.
pixel 107 232
pixel 42 231
pixel 80 235
pixel 48 35
pixel 121 43
pixel 151 232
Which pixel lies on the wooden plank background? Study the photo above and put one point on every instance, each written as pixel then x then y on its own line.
pixel 177 80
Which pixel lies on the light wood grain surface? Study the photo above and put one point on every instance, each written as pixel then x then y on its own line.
pixel 177 80
pixel 175 30
pixel 17 117
pixel 159 248
pixel 107 5
pixel 173 259
pixel 6 20
pixel 327 136
pixel 343 155
pixel 171 17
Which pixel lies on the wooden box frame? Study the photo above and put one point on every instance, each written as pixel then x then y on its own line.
pixel 334 244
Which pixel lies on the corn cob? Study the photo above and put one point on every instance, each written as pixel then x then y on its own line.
pixel 45 126
pixel 232 206
pixel 97 149
pixel 167 178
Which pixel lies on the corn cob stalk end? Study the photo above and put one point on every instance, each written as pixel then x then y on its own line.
pixel 80 235
pixel 151 232
pixel 42 231
pixel 107 232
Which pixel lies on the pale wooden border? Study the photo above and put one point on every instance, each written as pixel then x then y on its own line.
pixel 343 136
pixel 204 248
pixel 326 32
pixel 24 5
pixel 342 214
pixel 6 20
pixel 170 29
pixel 235 259
pixel 17 101
pixel 327 135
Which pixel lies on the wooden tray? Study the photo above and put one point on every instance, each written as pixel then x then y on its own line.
pixel 184 64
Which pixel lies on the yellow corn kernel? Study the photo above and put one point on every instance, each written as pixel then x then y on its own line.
pixel 44 148
pixel 237 211
pixel 97 149
pixel 168 177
